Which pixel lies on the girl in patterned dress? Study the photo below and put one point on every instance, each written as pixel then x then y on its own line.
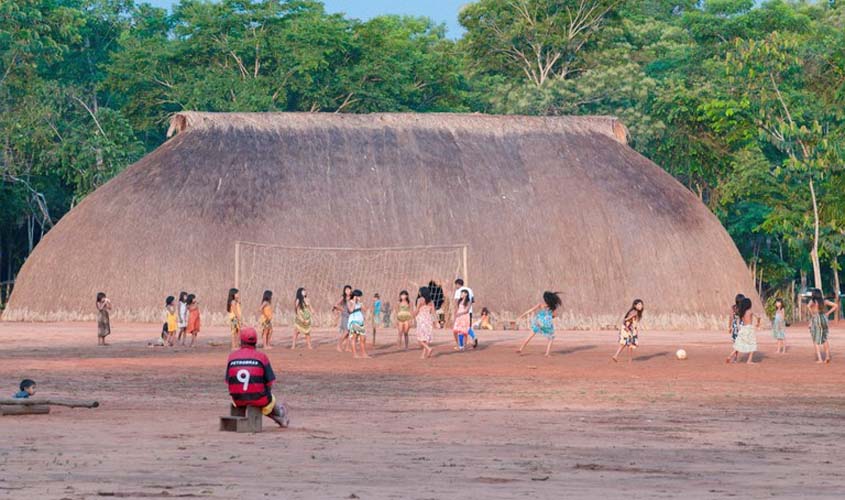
pixel 543 321
pixel 343 325
pixel 357 331
pixel 779 326
pixel 233 310
pixel 820 309
pixel 425 326
pixel 404 317
pixel 734 319
pixel 302 318
pixel 746 338
pixel 265 319
pixel 461 324
pixel 103 323
pixel 629 334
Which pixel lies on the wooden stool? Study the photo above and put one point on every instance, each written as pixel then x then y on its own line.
pixel 242 419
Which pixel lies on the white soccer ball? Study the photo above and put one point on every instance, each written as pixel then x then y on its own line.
pixel 681 354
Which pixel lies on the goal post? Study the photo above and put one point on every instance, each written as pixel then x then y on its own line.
pixel 323 271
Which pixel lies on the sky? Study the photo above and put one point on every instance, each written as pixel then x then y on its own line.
pixel 442 11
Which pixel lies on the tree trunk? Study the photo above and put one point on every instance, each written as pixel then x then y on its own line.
pixel 814 254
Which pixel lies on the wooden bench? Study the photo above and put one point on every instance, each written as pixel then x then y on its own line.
pixel 39 406
pixel 242 419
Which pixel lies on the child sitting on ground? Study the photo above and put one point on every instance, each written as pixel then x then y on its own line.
pixel 27 389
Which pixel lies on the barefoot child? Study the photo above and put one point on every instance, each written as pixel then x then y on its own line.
pixel 302 321
pixel 543 321
pixel 265 321
pixel 484 322
pixel 629 334
pixel 425 326
pixel 170 319
pixel 233 310
pixel 357 331
pixel 461 325
pixel 818 323
pixel 103 324
pixel 376 315
pixel 182 317
pixel 734 319
pixel 746 338
pixel 342 308
pixel 193 327
pixel 779 326
pixel 403 318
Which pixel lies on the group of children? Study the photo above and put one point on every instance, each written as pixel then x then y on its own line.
pixel 181 319
pixel 742 325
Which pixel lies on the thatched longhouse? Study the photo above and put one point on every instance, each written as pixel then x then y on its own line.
pixel 542 203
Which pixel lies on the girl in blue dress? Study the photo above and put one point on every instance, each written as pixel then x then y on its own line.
pixel 543 320
pixel 355 326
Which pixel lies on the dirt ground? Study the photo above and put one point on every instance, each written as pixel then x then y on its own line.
pixel 484 424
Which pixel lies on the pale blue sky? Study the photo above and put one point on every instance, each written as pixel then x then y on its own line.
pixel 442 11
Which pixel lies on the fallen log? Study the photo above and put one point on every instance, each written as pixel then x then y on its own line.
pixel 24 410
pixel 70 403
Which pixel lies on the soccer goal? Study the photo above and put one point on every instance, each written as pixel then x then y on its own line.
pixel 324 271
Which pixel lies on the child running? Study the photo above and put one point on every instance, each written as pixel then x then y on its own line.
pixel 170 319
pixel 629 334
pixel 543 321
pixel 461 325
pixel 342 308
pixel 182 318
pixel 103 323
pixel 233 309
pixel 779 326
pixel 746 338
pixel 403 318
pixel 357 331
pixel 425 326
pixel 193 327
pixel 265 321
pixel 818 323
pixel 302 318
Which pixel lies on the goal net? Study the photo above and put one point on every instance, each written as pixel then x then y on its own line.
pixel 324 272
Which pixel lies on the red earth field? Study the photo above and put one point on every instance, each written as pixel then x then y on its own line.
pixel 484 424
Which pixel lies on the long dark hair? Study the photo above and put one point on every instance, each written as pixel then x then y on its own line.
pixel 232 293
pixel 425 293
pixel 782 304
pixel 267 297
pixel 183 296
pixel 737 302
pixel 300 298
pixel 464 301
pixel 817 297
pixel 404 293
pixel 552 300
pixel 634 309
pixel 190 299
pixel 100 296
pixel 744 307
pixel 343 296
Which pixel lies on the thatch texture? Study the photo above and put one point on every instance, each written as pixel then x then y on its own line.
pixel 555 203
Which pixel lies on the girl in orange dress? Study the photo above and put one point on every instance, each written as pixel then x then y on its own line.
pixel 193 327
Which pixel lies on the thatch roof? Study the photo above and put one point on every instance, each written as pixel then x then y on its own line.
pixel 543 202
